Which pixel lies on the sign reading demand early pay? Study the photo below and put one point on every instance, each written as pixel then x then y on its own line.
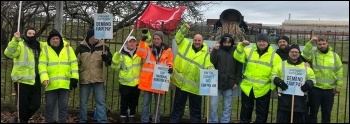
pixel 103 26
pixel 208 85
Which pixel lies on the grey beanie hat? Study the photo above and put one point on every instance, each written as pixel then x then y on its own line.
pixel 160 34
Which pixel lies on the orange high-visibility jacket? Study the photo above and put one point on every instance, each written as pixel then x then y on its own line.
pixel 149 62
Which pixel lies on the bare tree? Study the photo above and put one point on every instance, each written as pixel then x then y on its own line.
pixel 126 12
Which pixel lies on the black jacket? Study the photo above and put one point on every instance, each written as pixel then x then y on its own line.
pixel 285 100
pixel 229 69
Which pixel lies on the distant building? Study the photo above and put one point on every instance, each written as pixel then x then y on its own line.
pixel 333 29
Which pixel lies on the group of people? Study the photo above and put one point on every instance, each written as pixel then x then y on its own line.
pixel 257 70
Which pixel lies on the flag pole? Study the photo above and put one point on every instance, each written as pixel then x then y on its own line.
pixel 156 118
pixel 208 102
pixel 126 39
pixel 292 111
pixel 19 15
pixel 18 25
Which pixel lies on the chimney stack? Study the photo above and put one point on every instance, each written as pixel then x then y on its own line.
pixel 289 17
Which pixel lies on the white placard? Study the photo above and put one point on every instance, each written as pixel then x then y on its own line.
pixel 103 26
pixel 294 78
pixel 208 85
pixel 161 78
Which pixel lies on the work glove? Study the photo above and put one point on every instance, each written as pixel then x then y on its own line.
pixel 280 83
pixel 73 83
pixel 306 87
pixel 144 38
pixel 170 71
pixel 104 57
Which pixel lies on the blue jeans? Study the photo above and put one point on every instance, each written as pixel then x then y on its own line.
pixel 147 98
pixel 226 107
pixel 51 98
pixel 99 94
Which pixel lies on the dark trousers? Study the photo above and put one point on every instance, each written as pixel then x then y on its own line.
pixel 262 107
pixel 29 99
pixel 324 98
pixel 52 97
pixel 129 99
pixel 285 116
pixel 180 99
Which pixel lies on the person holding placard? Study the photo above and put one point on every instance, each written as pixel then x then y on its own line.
pixel 256 83
pixel 128 64
pixel 328 69
pixel 154 54
pixel 293 79
pixel 230 74
pixel 191 57
pixel 90 57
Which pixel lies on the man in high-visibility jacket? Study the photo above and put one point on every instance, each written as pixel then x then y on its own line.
pixel 328 69
pixel 128 64
pixel 25 54
pixel 156 53
pixel 278 74
pixel 191 57
pixel 58 68
pixel 256 83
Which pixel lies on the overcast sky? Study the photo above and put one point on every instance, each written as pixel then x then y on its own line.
pixel 275 12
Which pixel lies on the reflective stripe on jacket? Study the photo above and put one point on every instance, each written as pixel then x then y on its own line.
pixel 328 67
pixel 149 61
pixel 279 71
pixel 188 63
pixel 58 69
pixel 129 68
pixel 258 69
pixel 23 70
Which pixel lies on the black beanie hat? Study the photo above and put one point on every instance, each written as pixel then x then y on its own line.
pixel 286 38
pixel 223 38
pixel 294 46
pixel 263 37
pixel 90 33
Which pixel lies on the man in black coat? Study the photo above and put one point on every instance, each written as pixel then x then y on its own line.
pixel 229 76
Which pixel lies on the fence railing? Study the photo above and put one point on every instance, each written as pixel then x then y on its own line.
pixel 74 32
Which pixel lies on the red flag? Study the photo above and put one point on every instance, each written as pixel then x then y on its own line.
pixel 154 15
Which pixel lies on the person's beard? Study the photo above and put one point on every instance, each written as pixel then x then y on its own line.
pixel 323 50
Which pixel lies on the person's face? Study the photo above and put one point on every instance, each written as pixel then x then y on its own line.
pixel 131 45
pixel 262 44
pixel 294 54
pixel 282 44
pixel 157 41
pixel 30 33
pixel 92 40
pixel 197 41
pixel 55 41
pixel 226 43
pixel 322 45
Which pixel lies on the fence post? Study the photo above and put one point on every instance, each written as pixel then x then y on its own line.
pixel 58 27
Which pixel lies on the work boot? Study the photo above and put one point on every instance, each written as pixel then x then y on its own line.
pixel 122 120
pixel 131 120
